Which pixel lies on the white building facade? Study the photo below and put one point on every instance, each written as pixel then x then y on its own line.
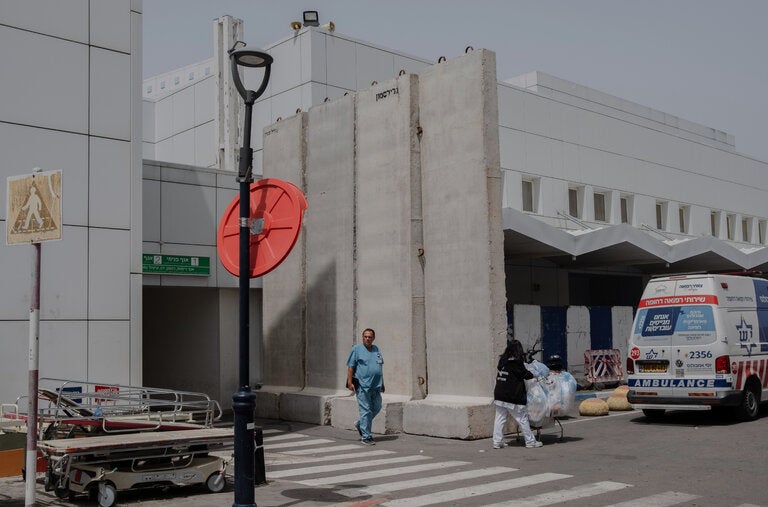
pixel 596 191
pixel 71 102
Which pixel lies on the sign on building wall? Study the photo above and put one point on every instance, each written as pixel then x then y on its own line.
pixel 159 264
pixel 33 210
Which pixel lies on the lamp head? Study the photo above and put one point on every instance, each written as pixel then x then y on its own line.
pixel 250 57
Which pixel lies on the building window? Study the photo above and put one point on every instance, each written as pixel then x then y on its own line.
pixel 661 215
pixel 176 80
pixel 761 225
pixel 730 222
pixel 714 223
pixel 599 201
pixel 149 89
pixel 528 195
pixel 191 76
pixel 684 212
pixel 575 196
pixel 746 230
pixel 207 71
pixel 625 203
pixel 162 85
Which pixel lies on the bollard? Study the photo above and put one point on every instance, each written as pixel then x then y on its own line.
pixel 260 471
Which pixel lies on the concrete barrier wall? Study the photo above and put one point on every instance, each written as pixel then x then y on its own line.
pixel 578 339
pixel 389 272
pixel 330 229
pixel 461 190
pixel 284 319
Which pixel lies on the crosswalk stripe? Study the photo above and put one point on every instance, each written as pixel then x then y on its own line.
pixel 660 500
pixel 275 459
pixel 285 436
pixel 424 481
pixel 301 443
pixel 565 495
pixel 375 474
pixel 343 466
pixel 442 497
pixel 270 431
pixel 322 450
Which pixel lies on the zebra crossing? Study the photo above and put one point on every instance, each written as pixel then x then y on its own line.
pixel 403 480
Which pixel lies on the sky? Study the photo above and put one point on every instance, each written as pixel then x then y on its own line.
pixel 701 60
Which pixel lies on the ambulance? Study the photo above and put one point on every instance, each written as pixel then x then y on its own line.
pixel 700 342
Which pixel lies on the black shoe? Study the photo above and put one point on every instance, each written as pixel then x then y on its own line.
pixel 368 441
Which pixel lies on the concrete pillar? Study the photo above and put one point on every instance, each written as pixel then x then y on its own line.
pixel 463 243
pixel 284 289
pixel 226 31
pixel 388 264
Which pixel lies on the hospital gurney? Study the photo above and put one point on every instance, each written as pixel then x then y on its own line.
pixel 101 466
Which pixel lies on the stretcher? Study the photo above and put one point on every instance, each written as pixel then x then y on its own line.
pixel 101 466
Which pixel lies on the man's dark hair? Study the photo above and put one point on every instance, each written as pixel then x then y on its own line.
pixel 371 330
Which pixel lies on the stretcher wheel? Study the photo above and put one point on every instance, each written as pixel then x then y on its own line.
pixel 215 482
pixel 61 492
pixel 107 494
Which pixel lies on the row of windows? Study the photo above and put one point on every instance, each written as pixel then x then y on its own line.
pixel 177 80
pixel 601 206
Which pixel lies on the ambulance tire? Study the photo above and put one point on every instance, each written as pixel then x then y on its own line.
pixel 653 414
pixel 750 403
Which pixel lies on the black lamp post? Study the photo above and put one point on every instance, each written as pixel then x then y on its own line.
pixel 244 401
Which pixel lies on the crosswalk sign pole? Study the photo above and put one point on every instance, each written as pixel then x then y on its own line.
pixel 33 215
pixel 34 365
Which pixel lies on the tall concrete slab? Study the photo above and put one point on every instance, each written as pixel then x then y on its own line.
pixel 330 241
pixel 388 237
pixel 329 263
pixel 463 246
pixel 389 271
pixel 284 289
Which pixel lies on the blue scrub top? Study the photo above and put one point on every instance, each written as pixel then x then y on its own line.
pixel 367 366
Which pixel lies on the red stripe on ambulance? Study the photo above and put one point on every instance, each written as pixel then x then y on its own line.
pixel 699 299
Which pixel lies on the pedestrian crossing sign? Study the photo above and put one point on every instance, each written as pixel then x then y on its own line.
pixel 33 208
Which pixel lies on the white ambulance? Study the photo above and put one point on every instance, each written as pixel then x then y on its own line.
pixel 698 342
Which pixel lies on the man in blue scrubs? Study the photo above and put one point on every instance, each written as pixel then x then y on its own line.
pixel 365 377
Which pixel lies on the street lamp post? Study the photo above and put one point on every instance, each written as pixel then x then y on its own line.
pixel 244 401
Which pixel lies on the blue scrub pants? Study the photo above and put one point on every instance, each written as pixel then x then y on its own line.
pixel 369 404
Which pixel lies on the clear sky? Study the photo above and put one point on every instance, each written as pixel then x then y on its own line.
pixel 702 60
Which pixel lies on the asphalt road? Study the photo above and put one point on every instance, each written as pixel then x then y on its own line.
pixel 687 459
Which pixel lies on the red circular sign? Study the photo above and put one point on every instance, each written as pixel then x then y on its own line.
pixel 281 206
pixel 634 353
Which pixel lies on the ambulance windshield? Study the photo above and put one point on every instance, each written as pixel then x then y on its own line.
pixel 675 325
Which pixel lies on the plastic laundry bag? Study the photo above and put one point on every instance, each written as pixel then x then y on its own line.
pixel 538 409
pixel 538 368
pixel 565 384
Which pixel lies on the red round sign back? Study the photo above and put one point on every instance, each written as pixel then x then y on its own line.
pixel 281 205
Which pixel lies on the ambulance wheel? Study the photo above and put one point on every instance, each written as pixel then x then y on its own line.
pixel 750 403
pixel 107 494
pixel 653 413
pixel 215 482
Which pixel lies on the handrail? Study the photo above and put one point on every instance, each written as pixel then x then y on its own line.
pixel 574 219
pixel 653 229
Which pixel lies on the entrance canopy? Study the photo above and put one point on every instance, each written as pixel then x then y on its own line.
pixel 526 237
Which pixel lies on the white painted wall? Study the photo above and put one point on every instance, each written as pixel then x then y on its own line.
pixel 85 126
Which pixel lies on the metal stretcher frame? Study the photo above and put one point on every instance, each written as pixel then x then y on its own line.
pixel 128 449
